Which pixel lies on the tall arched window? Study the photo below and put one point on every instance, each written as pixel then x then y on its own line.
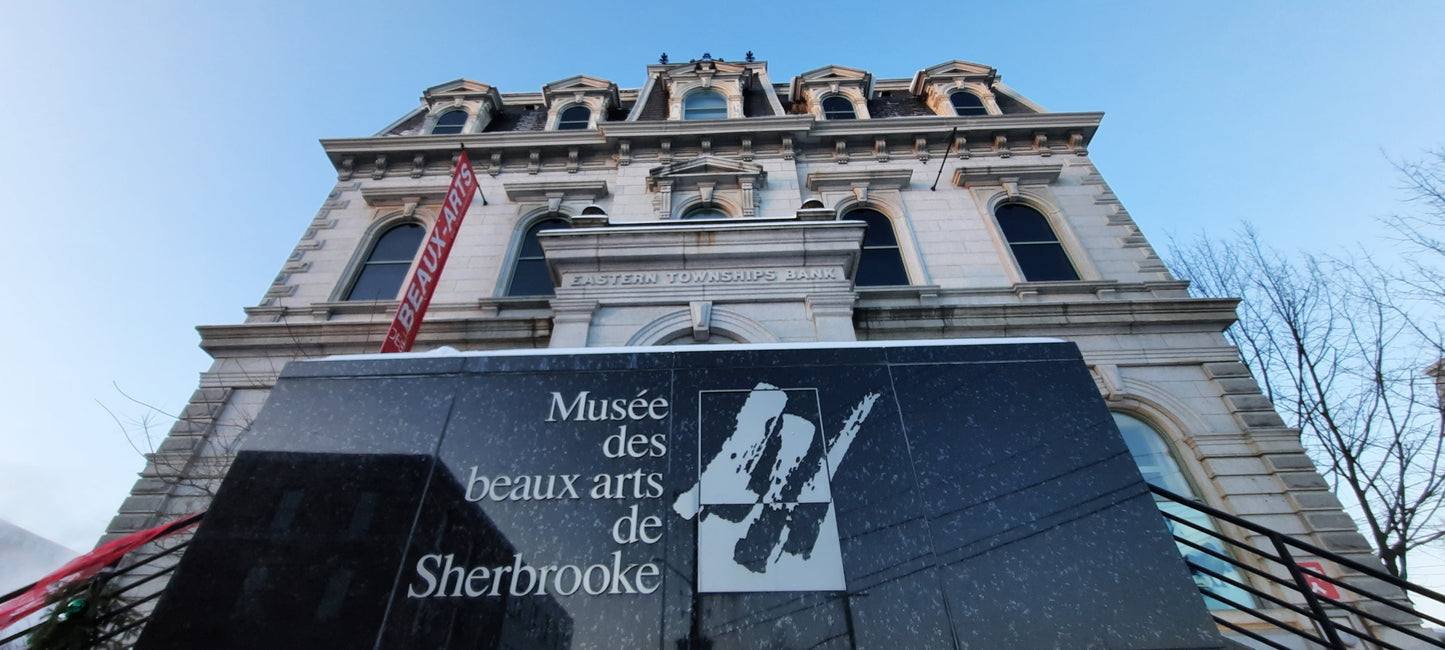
pixel 574 118
pixel 966 103
pixel 881 262
pixel 838 108
pixel 705 105
pixel 450 122
pixel 385 267
pixel 529 276
pixel 1156 462
pixel 1038 251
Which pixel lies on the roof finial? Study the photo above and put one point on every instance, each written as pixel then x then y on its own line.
pixel 749 56
pixel 706 56
pixel 662 59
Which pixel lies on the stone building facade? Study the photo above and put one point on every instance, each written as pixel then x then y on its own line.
pixel 716 204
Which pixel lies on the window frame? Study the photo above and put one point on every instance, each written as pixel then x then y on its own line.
pixel 705 92
pixel 877 251
pixel 585 123
pixel 519 253
pixel 688 212
pixel 982 105
pixel 460 127
pixel 1057 241
pixel 1186 473
pixel 363 261
pixel 829 114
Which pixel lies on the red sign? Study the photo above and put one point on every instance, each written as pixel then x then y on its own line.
pixel 1318 585
pixel 434 253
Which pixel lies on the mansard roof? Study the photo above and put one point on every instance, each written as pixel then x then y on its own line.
pixel 911 97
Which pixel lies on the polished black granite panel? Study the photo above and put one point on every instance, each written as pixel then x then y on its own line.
pixel 858 496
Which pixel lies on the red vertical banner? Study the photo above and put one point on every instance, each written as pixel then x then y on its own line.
pixel 434 253
pixel 1317 585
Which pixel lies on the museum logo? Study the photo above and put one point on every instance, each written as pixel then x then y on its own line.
pixel 763 497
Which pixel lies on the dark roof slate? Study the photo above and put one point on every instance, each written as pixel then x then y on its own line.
pixel 656 106
pixel 755 102
pixel 519 118
pixel 411 126
pixel 897 104
pixel 1009 105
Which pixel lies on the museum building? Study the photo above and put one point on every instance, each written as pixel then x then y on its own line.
pixel 716 205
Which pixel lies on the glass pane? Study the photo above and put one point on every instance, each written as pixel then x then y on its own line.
pixel 1044 262
pixel 966 103
pixel 880 229
pixel 838 108
pixel 706 213
pixel 1021 223
pixel 398 244
pixel 705 106
pixel 450 122
pixel 379 281
pixel 531 279
pixel 573 118
pixel 1152 456
pixel 530 246
pixel 1159 468
pixel 881 267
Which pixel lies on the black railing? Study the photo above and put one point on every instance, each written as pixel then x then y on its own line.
pixel 113 590
pixel 1331 620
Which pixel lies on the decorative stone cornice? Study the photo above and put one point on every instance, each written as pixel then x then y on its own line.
pixel 873 179
pixel 566 190
pixel 1035 174
pixel 385 195
pixel 1075 129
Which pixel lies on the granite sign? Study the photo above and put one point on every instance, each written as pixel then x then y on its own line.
pixel 923 495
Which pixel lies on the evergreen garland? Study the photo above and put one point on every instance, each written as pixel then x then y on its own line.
pixel 79 614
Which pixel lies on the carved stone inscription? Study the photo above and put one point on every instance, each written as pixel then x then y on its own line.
pixel 727 276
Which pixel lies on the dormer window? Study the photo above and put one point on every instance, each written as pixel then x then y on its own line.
pixel 705 105
pixel 575 118
pixel 838 108
pixel 450 122
pixel 967 104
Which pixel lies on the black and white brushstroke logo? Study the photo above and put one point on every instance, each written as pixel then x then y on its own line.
pixel 763 498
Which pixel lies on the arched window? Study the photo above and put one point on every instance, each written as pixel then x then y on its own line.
pixel 385 268
pixel 705 212
pixel 450 122
pixel 838 108
pixel 881 262
pixel 967 103
pixel 1156 462
pixel 574 118
pixel 705 105
pixel 529 276
pixel 1038 251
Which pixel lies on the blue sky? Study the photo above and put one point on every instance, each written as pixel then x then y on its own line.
pixel 160 160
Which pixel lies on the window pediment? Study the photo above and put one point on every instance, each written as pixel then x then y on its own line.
pixel 1009 176
pixel 707 168
pixel 707 180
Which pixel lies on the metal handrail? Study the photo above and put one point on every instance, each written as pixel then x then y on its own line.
pixel 1314 605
